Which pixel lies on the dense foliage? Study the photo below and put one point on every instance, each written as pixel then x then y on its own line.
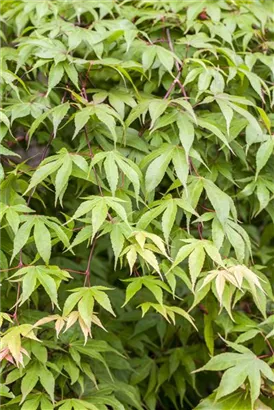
pixel 137 205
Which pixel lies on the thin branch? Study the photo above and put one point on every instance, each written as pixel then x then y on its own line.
pixel 80 272
pixel 269 345
pixel 200 230
pixel 8 269
pixel 172 85
pixel 172 48
pixel 179 68
pixel 193 167
pixel 87 272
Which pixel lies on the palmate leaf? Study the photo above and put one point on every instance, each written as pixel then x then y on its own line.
pixel 239 367
pixel 226 281
pixel 160 161
pixel 11 343
pixel 135 250
pixel 85 298
pixel 112 161
pixel 12 214
pixel 168 312
pixel 99 206
pixel 56 114
pixel 150 282
pixel 103 112
pixel 119 232
pixel 37 372
pixel 168 208
pixel 196 250
pixel 171 174
pixel 236 400
pixel 44 228
pixel 49 277
pixel 61 166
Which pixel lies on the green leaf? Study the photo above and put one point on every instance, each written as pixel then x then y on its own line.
pixel 47 380
pixel 49 285
pixel 186 132
pixel 196 262
pixel 263 154
pixel 132 289
pixel 166 58
pixel 58 114
pixel 103 299
pixel 219 200
pixel 62 178
pixel 156 109
pixel 235 401
pixel 111 171
pixel 210 127
pixel 55 75
pixel 231 381
pixel 148 57
pixel 99 214
pixel 72 73
pixel 22 236
pixel 31 404
pixel 81 118
pixel 29 284
pixel 42 173
pixel 156 170
pixel 227 113
pixel 168 219
pixel 42 240
pixel 181 166
pixel 209 333
pixel 117 241
pixel 28 382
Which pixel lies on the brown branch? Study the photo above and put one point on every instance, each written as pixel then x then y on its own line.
pixel 193 167
pixel 269 346
pixel 200 230
pixel 80 272
pixel 179 68
pixel 8 269
pixel 172 85
pixel 172 48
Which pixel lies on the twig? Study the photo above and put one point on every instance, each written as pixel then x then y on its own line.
pixel 200 230
pixel 179 68
pixel 269 345
pixel 80 272
pixel 172 85
pixel 6 270
pixel 172 48
pixel 193 167
pixel 87 272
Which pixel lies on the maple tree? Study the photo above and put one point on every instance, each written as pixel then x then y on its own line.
pixel 137 205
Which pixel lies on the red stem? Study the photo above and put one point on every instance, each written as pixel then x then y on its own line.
pixel 87 272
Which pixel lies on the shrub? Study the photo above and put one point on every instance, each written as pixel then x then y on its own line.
pixel 137 205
